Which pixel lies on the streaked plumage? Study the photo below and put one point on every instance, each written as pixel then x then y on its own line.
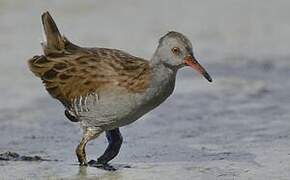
pixel 105 89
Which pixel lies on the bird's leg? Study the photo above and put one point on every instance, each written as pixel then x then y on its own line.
pixel 89 134
pixel 115 140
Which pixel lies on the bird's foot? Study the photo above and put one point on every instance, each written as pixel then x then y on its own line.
pixel 104 166
pixel 83 163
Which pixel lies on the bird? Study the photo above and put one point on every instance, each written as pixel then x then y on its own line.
pixel 104 89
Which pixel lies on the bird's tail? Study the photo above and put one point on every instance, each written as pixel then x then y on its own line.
pixel 54 42
pixel 54 45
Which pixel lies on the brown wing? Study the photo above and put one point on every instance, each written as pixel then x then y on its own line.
pixel 69 71
pixel 70 76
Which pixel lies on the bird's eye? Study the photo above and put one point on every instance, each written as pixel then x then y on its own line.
pixel 175 50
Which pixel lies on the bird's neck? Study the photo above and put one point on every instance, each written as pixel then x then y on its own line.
pixel 163 76
pixel 162 83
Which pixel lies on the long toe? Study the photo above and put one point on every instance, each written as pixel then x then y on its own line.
pixel 104 166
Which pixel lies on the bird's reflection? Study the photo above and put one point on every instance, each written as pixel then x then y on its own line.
pixel 87 172
pixel 82 172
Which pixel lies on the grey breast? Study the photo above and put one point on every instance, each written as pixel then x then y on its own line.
pixel 118 107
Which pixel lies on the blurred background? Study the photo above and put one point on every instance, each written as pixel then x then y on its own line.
pixel 236 127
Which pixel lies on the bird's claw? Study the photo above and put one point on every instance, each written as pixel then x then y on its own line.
pixel 104 166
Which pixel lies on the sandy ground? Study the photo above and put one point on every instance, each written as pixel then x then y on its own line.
pixel 235 128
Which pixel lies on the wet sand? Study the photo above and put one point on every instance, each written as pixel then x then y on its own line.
pixel 235 128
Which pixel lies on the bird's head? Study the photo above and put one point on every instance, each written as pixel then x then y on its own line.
pixel 175 51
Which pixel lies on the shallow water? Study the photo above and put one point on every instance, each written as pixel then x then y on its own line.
pixel 235 128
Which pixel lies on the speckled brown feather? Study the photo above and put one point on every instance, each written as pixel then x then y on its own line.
pixel 69 71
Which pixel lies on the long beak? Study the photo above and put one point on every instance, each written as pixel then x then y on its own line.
pixel 192 62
